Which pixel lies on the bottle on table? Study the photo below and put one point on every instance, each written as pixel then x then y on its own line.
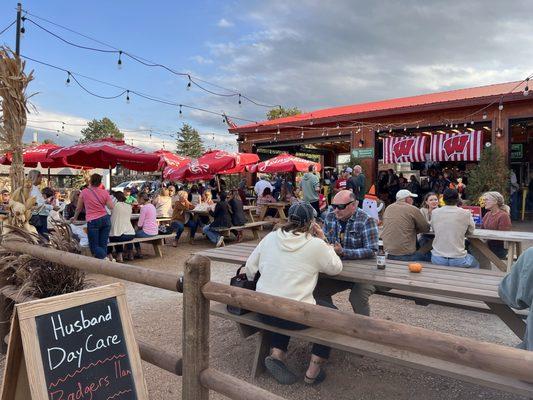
pixel 381 259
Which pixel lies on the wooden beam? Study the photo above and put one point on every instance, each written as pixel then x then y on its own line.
pixel 162 359
pixel 195 335
pixel 234 388
pixel 485 356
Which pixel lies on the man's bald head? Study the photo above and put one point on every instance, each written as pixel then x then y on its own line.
pixel 343 197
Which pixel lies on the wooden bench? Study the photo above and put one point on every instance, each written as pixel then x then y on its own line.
pixel 249 324
pixel 253 226
pixel 156 241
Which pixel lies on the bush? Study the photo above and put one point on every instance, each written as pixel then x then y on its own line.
pixel 492 173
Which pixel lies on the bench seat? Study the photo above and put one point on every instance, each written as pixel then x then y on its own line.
pixel 249 324
pixel 253 226
pixel 156 241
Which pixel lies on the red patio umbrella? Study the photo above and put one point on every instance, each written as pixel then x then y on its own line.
pixel 107 153
pixel 33 155
pixel 284 163
pixel 170 162
pixel 213 163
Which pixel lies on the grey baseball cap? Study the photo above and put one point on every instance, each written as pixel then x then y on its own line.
pixel 301 213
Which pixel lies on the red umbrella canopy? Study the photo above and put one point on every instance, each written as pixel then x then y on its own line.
pixel 212 163
pixel 284 163
pixel 33 155
pixel 107 153
pixel 170 162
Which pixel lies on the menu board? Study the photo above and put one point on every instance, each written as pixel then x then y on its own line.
pixel 78 346
pixel 84 352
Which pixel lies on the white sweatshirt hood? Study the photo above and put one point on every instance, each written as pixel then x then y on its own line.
pixel 290 241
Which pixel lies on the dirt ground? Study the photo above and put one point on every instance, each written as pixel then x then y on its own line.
pixel 157 319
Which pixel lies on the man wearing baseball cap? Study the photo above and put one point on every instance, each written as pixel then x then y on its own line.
pixel 401 223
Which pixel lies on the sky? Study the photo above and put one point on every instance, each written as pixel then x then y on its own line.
pixel 309 54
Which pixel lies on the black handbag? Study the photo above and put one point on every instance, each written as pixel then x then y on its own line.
pixel 240 280
pixel 36 221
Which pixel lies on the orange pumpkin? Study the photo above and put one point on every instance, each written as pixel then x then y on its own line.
pixel 415 267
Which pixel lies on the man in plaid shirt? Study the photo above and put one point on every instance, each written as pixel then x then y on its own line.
pixel 354 235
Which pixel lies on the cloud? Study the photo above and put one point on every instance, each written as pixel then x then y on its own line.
pixel 202 60
pixel 312 56
pixel 224 23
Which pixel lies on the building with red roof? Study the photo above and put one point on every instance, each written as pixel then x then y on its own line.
pixel 502 112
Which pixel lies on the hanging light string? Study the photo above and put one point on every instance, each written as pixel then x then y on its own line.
pixel 127 91
pixel 147 63
pixel 7 27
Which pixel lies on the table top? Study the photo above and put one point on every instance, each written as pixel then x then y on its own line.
pixel 276 204
pixel 135 217
pixel 489 234
pixel 471 284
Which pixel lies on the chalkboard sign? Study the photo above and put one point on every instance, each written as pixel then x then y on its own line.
pixel 78 346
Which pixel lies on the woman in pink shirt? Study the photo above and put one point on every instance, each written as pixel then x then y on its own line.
pixel 147 224
pixel 497 218
pixel 95 200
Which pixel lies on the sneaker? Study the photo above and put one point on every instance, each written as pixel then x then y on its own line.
pixel 220 241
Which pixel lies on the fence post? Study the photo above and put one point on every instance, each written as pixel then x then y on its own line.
pixel 195 327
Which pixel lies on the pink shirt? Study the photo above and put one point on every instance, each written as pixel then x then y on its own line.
pixel 147 219
pixel 94 201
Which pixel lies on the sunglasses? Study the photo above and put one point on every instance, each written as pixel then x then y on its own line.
pixel 341 206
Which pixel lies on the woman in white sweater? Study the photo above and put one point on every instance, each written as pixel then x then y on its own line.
pixel 289 260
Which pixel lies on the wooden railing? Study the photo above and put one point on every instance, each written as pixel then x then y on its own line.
pixel 199 290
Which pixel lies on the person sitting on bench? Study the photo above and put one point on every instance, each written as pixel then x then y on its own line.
pixel 146 225
pixel 237 212
pixel 516 290
pixel 289 260
pixel 221 219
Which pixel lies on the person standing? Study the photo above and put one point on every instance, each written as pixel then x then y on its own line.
pixel 310 186
pixel 261 184
pixel 497 218
pixel 451 224
pixel 514 187
pixel 41 209
pixel 95 200
pixel 401 223
pixel 340 184
pixel 393 184
pixel 354 235
pixel 357 184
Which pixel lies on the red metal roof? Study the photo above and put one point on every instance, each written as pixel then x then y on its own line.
pixel 390 104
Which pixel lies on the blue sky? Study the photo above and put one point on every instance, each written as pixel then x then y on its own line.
pixel 307 54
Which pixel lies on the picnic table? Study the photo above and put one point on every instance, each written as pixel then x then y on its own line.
pixel 448 283
pixel 278 206
pixel 478 240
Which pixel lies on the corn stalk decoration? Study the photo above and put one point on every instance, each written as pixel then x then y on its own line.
pixel 13 84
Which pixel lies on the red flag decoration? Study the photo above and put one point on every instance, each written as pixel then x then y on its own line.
pixel 404 149
pixel 464 146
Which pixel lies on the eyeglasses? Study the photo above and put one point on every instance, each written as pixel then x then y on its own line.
pixel 341 206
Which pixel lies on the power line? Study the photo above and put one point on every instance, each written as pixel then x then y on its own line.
pixel 145 62
pixel 7 27
pixel 129 91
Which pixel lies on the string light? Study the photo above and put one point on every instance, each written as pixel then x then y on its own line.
pixel 189 83
pixel 500 106
pixel 240 102
pixel 484 115
pixel 119 62
pixel 22 28
pixel 472 122
pixel 526 89
pixel 67 82
pixel 181 112
pixel 361 143
pixel 127 96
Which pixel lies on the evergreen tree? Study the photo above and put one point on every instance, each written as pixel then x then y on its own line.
pixel 189 143
pixel 491 173
pixel 100 129
pixel 281 112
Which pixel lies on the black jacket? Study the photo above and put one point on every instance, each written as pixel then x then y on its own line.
pixel 237 216
pixel 222 216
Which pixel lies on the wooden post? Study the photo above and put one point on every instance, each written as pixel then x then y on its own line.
pixel 195 336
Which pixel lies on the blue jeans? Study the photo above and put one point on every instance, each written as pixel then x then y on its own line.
pixel 213 236
pixel 98 235
pixel 410 257
pixel 179 227
pixel 118 248
pixel 467 261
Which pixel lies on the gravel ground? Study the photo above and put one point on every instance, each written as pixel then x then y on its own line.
pixel 157 319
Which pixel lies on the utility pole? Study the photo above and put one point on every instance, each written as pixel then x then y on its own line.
pixel 19 19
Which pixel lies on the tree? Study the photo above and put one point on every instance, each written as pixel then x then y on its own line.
pixel 189 143
pixel 48 141
pixel 100 129
pixel 280 112
pixel 491 173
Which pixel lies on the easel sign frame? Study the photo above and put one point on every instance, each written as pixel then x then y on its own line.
pixel 24 373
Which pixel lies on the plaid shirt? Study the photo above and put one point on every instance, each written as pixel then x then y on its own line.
pixel 359 239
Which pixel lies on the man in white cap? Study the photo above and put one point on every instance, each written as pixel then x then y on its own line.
pixel 401 223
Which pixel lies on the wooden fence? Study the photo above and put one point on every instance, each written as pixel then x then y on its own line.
pixel 199 290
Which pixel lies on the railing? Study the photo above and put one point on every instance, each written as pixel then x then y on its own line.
pixel 198 291
pixel 198 379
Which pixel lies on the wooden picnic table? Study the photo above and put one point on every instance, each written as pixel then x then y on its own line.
pixel 278 206
pixel 446 282
pixel 135 217
pixel 478 240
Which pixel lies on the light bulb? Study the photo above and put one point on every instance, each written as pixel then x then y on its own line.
pixel 500 106
pixel 180 113
pixel 240 101
pixel 189 83
pixel 119 62
pixel 472 122
pixel 526 91
pixel 67 82
pixel 127 96
pixel 484 115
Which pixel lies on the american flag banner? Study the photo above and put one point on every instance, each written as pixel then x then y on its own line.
pixel 404 149
pixel 464 146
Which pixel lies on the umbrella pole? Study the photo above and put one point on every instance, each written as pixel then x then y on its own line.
pixel 49 185
pixel 110 175
pixel 218 183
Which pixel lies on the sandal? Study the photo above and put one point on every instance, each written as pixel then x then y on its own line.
pixel 317 379
pixel 279 371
